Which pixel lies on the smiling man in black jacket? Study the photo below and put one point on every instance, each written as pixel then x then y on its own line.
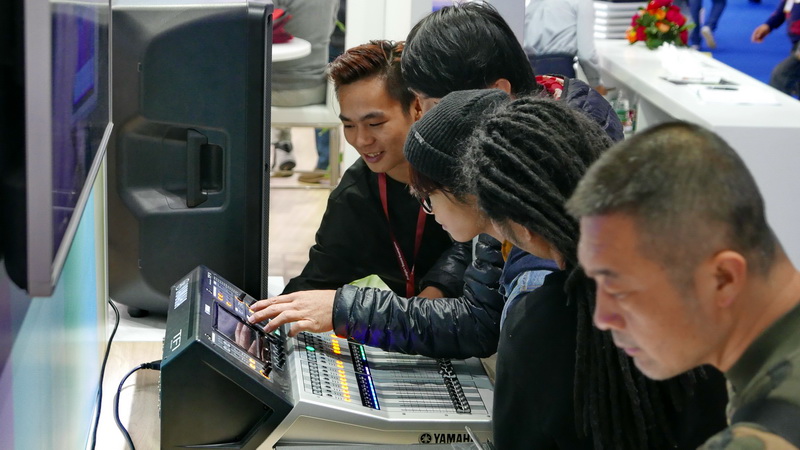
pixel 373 225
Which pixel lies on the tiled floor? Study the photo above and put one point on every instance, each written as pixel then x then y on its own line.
pixel 295 214
pixel 295 211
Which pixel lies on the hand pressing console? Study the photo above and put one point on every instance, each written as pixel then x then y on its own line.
pixel 305 310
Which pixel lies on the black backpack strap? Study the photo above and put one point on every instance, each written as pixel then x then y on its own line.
pixel 778 416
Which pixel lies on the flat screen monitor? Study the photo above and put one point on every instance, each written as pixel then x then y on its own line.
pixel 57 144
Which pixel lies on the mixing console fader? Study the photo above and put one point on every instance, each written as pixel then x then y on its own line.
pixel 251 389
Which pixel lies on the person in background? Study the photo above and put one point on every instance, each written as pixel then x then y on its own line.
pixel 558 31
pixel 322 136
pixel 786 75
pixel 705 28
pixel 689 272
pixel 522 163
pixel 301 82
pixel 434 64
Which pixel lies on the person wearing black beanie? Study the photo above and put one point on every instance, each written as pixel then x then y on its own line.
pixel 433 147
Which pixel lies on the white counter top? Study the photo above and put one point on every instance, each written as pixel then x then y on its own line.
pixel 640 69
pixel 766 136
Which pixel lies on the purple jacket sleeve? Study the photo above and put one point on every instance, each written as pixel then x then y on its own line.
pixel 777 17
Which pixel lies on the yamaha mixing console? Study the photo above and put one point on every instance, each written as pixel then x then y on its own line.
pixel 226 383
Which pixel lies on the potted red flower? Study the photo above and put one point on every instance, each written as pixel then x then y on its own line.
pixel 660 22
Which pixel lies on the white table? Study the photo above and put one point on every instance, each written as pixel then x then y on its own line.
pixel 766 136
pixel 294 49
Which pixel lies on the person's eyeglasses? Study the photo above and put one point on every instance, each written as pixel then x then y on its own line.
pixel 425 201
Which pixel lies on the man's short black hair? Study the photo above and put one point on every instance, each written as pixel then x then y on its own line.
pixel 465 46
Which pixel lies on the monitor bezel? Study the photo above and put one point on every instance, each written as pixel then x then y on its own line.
pixel 44 264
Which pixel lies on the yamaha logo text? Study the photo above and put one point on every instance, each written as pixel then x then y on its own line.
pixel 443 438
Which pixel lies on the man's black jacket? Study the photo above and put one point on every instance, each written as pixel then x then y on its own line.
pixel 353 240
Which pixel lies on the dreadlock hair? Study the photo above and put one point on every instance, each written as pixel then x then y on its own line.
pixel 522 164
pixel 465 46
pixel 377 58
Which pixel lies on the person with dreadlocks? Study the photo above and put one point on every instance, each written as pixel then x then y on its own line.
pixel 558 377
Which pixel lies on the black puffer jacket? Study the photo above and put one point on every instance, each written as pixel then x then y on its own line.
pixel 459 327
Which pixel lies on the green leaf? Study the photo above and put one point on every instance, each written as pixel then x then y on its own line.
pixel 654 43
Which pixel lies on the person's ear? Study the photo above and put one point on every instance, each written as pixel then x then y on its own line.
pixel 523 235
pixel 730 274
pixel 416 109
pixel 502 84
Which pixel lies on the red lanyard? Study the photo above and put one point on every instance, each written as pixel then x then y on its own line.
pixel 401 260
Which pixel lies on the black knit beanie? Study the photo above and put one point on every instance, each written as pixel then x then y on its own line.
pixel 435 142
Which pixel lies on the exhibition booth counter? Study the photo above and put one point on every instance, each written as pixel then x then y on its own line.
pixel 690 85
pixel 761 123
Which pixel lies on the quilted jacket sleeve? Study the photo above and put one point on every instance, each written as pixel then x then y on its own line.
pixel 457 327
